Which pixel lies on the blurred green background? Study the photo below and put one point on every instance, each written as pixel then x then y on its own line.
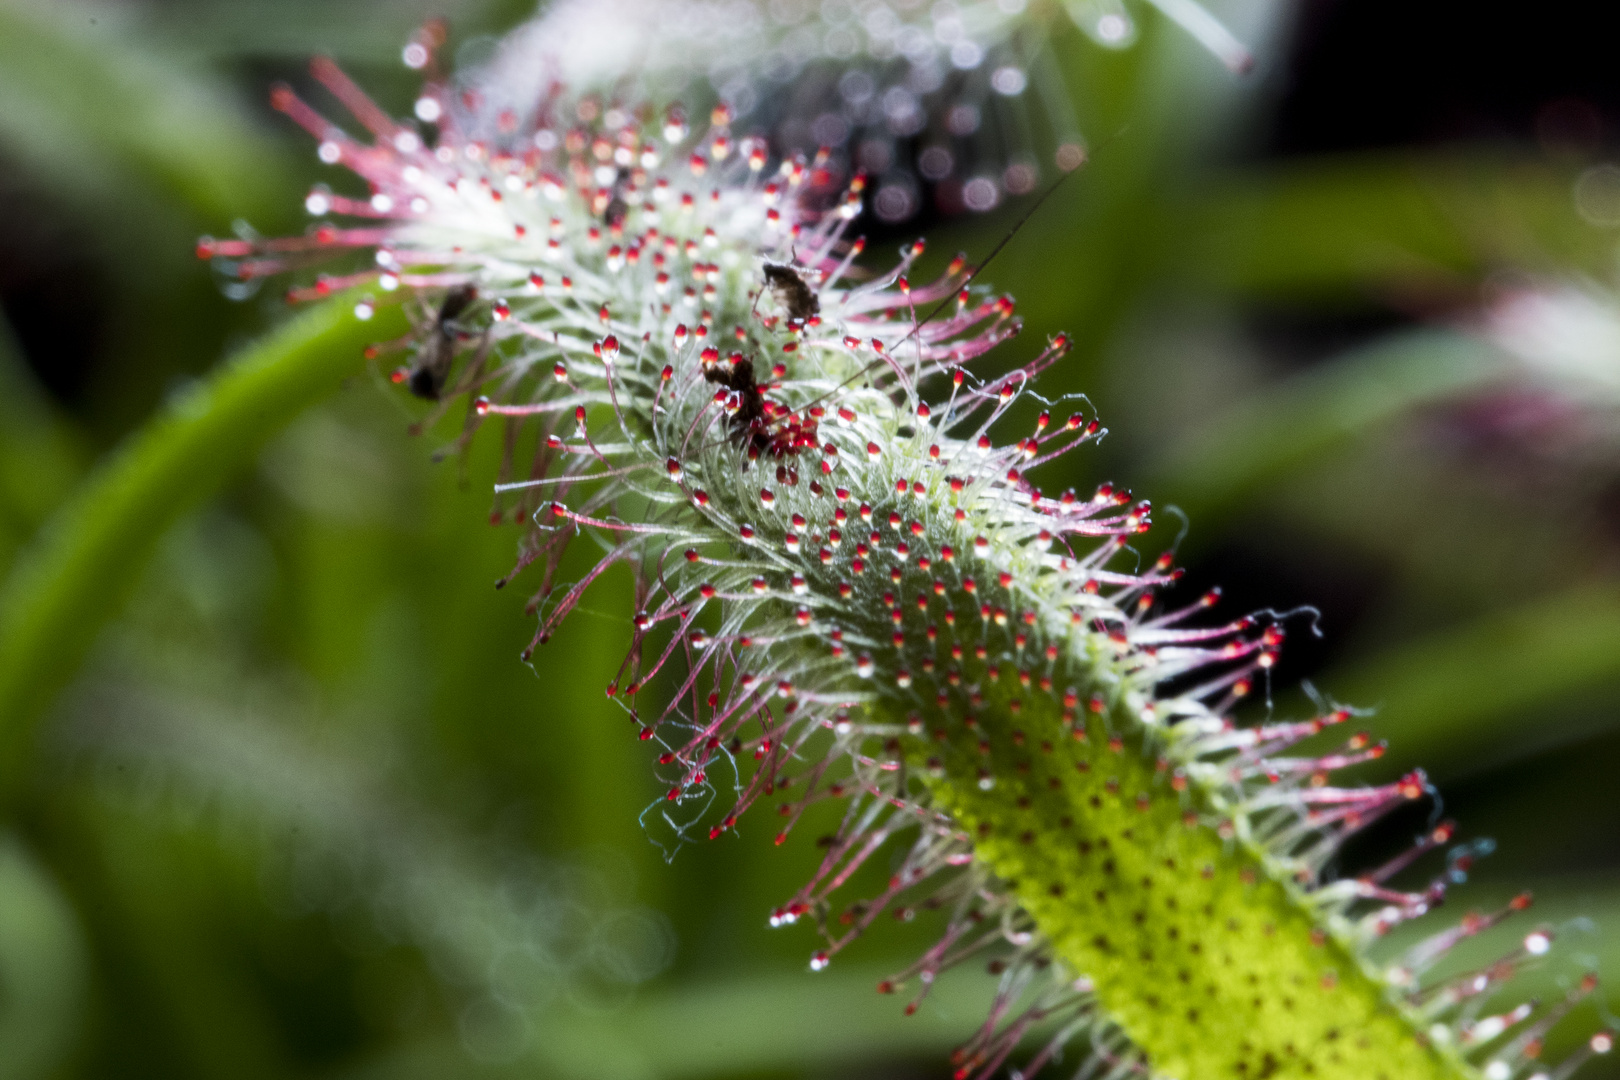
pixel 303 813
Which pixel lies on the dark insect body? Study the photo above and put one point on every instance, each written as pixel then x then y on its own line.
pixel 758 424
pixel 618 205
pixel 791 291
pixel 747 423
pixel 433 359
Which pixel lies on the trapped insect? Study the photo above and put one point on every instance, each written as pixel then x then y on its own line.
pixel 791 291
pixel 617 206
pixel 747 423
pixel 438 350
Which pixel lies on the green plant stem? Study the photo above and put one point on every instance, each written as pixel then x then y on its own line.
pixel 1302 420
pixel 87 557
pixel 1205 958
pixel 1466 690
pixel 1353 225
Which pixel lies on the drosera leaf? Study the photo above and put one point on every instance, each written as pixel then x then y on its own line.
pixel 40 452
pixel 1192 943
pixel 846 576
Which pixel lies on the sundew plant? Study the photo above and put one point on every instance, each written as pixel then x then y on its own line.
pixel 849 586
pixel 629 247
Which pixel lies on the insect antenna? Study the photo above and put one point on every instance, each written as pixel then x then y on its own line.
pixel 974 273
pixel 980 268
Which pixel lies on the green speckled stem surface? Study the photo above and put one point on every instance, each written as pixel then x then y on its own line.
pixel 1209 965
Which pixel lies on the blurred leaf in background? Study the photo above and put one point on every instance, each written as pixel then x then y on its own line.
pixel 305 813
